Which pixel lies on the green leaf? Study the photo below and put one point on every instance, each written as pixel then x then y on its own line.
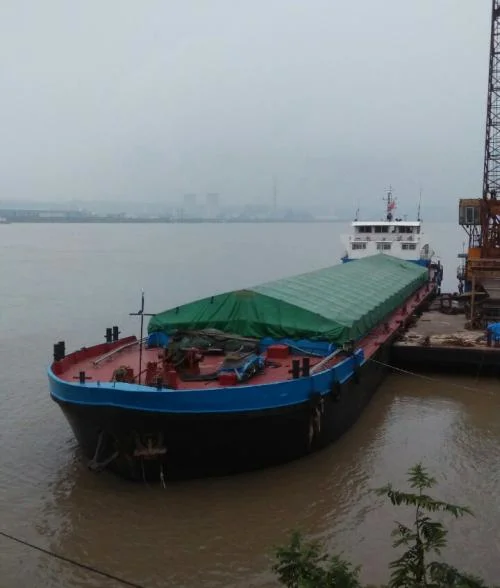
pixel 302 564
pixel 424 535
pixel 419 478
pixel 446 575
pixel 434 536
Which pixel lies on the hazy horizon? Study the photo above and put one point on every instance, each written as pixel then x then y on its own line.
pixel 147 101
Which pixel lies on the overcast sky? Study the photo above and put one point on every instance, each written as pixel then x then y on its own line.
pixel 151 99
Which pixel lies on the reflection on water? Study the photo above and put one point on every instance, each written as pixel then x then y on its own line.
pixel 220 532
pixel 216 532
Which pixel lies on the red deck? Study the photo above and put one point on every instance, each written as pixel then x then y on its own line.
pixel 69 368
pixel 130 357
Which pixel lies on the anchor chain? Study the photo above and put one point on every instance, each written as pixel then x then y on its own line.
pixel 162 476
pixel 94 464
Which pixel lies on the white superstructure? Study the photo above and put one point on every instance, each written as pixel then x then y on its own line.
pixel 393 236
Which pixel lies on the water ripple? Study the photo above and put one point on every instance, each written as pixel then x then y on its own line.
pixel 217 532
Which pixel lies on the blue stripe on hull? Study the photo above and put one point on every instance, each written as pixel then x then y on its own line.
pixel 231 399
pixel 203 443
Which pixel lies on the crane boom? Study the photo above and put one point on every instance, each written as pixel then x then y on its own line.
pixel 480 217
pixel 491 171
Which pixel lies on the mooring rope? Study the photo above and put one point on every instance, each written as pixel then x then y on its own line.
pixel 428 378
pixel 71 561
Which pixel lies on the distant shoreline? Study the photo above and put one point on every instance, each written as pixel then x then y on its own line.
pixel 104 220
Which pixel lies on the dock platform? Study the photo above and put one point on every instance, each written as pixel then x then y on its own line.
pixel 440 340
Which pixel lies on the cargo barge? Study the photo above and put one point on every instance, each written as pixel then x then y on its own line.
pixel 241 379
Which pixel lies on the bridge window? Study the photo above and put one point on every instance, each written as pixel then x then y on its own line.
pixel 383 246
pixel 382 229
pixel 359 245
pixel 409 246
pixel 364 229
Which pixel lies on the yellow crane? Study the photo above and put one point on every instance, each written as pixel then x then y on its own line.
pixel 480 217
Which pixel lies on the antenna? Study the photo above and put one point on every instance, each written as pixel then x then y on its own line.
pixel 356 216
pixel 391 204
pixel 419 204
pixel 142 314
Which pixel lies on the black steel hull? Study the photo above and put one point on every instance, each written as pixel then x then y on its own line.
pixel 211 444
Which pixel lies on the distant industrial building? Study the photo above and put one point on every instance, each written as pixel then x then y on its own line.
pixel 189 208
pixel 212 209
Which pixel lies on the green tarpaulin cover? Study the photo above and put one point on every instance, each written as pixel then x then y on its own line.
pixel 336 303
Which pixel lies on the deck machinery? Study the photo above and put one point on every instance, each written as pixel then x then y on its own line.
pixel 479 274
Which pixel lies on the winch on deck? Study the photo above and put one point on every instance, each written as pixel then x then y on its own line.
pixel 187 356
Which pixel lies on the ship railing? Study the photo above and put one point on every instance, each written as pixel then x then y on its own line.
pixel 385 237
pixel 325 361
pixel 113 352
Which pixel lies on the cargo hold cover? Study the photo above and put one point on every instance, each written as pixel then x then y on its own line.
pixel 335 304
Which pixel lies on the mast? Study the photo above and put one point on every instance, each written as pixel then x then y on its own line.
pixel 142 314
pixel 419 204
pixel 391 203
